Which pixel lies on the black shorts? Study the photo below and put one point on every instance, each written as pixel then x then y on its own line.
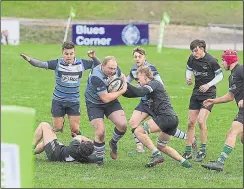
pixel 59 109
pixel 239 116
pixel 167 123
pixel 53 150
pixel 99 110
pixel 196 101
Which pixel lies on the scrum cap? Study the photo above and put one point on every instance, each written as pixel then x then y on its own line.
pixel 230 56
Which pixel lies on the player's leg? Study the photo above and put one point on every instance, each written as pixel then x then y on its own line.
pixel 193 112
pixel 96 117
pixel 116 114
pixel 202 121
pixel 229 145
pixel 163 140
pixel 58 112
pixel 73 112
pixel 137 117
pixel 141 133
pixel 45 132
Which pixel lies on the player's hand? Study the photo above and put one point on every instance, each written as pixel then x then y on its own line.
pixel 188 81
pixel 204 88
pixel 91 53
pixel 208 102
pixel 240 104
pixel 27 58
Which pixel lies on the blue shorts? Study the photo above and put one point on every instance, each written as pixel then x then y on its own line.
pixel 99 110
pixel 140 107
pixel 59 109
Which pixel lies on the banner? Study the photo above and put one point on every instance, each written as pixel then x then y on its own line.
pixel 110 35
pixel 17 159
pixel 10 32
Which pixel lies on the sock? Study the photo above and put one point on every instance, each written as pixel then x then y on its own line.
pixel 155 152
pixel 203 148
pixel 117 135
pixel 134 136
pixel 180 134
pixel 99 149
pixel 188 148
pixel 182 161
pixel 225 153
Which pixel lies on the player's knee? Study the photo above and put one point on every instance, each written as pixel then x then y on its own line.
pixel 191 123
pixel 122 126
pixel 139 130
pixel 133 123
pixel 202 123
pixel 100 134
pixel 45 125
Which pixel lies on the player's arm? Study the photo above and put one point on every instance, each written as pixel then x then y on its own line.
pixel 133 92
pixel 102 92
pixel 81 138
pixel 223 99
pixel 218 73
pixel 189 71
pixel 89 64
pixel 35 62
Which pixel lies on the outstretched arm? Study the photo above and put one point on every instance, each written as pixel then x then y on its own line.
pixel 34 62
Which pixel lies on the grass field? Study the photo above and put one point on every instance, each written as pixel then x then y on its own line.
pixel 198 13
pixel 25 85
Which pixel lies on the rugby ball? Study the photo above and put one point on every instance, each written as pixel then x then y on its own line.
pixel 115 85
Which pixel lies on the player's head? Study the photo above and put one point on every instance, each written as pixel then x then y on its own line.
pixel 144 75
pixel 85 149
pixel 139 56
pixel 109 66
pixel 68 51
pixel 198 48
pixel 229 57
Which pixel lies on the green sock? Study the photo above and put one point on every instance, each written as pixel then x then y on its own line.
pixel 225 153
pixel 155 152
pixel 203 148
pixel 185 163
pixel 188 148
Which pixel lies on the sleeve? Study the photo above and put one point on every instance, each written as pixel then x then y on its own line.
pixel 154 70
pixel 52 64
pixel 130 77
pixel 38 63
pixel 189 73
pixel 216 67
pixel 98 84
pixel 189 64
pixel 138 92
pixel 89 64
pixel 239 72
pixel 158 78
pixel 216 79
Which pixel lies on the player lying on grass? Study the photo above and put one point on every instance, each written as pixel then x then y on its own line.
pixel 230 62
pixel 46 140
pixel 164 119
pixel 66 95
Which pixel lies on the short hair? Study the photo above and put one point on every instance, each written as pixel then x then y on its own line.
pixel 146 71
pixel 108 58
pixel 139 50
pixel 85 149
pixel 199 43
pixel 68 45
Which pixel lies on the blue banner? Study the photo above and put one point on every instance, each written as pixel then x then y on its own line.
pixel 110 35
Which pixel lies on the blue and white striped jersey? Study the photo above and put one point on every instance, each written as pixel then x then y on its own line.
pixel 133 76
pixel 68 78
pixel 97 83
